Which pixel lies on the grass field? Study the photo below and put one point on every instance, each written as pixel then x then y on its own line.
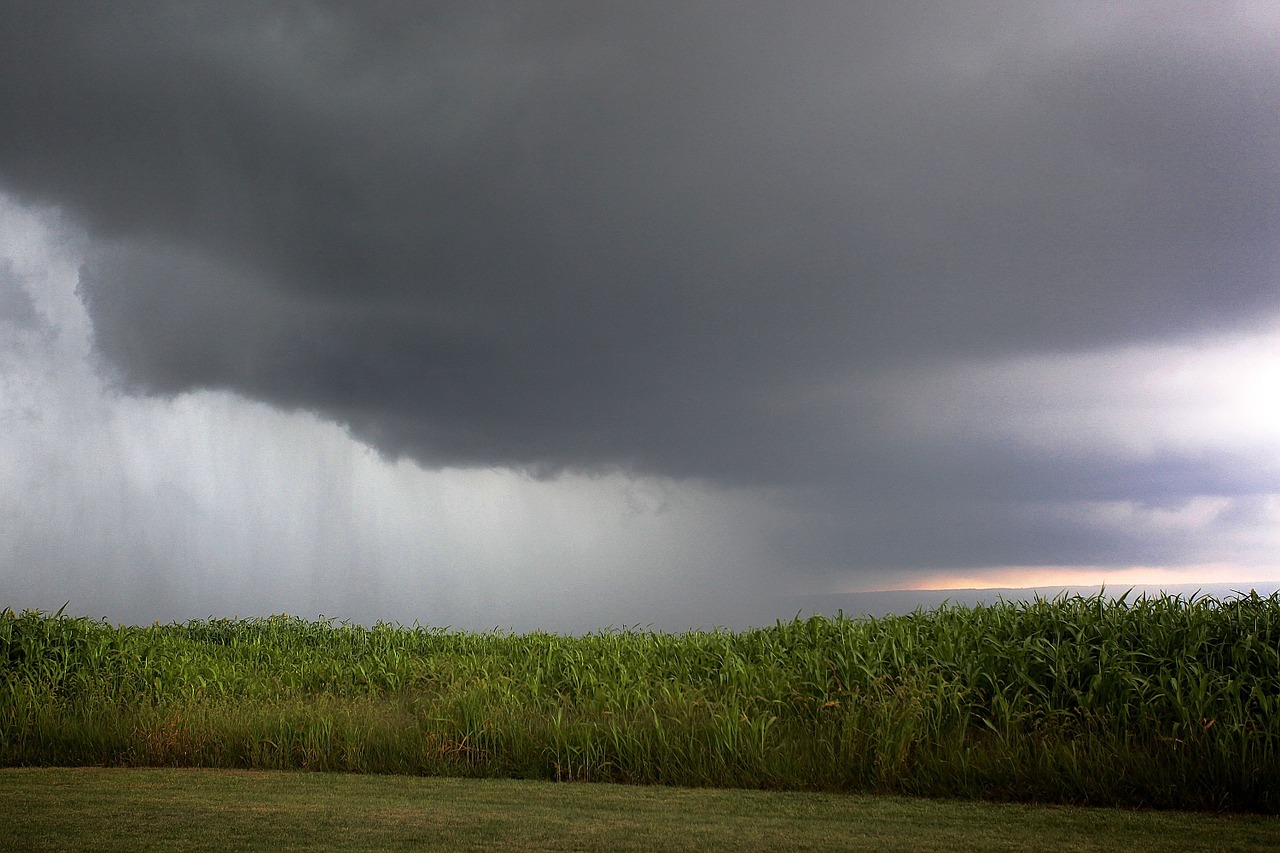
pixel 112 809
pixel 1160 702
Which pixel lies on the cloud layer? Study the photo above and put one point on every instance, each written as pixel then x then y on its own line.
pixel 621 237
pixel 927 281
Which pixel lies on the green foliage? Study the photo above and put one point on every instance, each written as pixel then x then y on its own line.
pixel 1160 702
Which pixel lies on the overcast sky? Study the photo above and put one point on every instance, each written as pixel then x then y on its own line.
pixel 566 315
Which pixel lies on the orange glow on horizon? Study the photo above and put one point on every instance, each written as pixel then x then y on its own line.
pixel 1023 577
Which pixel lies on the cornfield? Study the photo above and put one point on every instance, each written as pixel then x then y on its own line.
pixel 1160 702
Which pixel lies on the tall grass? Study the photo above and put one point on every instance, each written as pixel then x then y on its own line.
pixel 1161 702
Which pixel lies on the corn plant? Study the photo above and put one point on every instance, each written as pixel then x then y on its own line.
pixel 1159 701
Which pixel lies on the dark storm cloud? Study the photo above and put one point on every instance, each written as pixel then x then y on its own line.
pixel 585 236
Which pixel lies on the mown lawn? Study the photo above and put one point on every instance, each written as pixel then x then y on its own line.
pixel 139 809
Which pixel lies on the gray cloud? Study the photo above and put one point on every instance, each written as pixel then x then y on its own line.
pixel 16 306
pixel 670 241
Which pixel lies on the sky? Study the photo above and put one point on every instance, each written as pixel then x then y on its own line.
pixel 572 315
